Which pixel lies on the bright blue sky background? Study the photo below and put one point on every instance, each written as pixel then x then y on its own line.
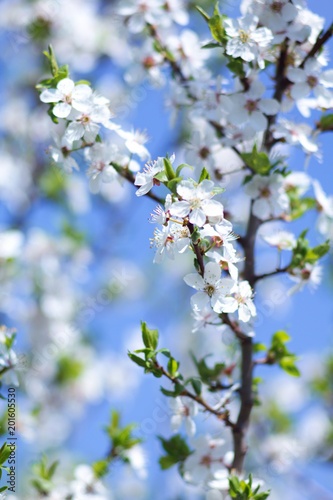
pixel 309 321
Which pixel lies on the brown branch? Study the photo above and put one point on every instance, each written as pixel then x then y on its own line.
pixel 272 273
pixel 197 252
pixel 321 40
pixel 220 415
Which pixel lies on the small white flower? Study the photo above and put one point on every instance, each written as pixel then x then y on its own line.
pixel 295 134
pixel 311 78
pixel 196 202
pixel 240 301
pixel 61 155
pixel 246 40
pixel 86 485
pixel 249 108
pixel 68 96
pixel 310 274
pixel 169 239
pixel 161 215
pixel 146 179
pixel 141 12
pixel 183 409
pixel 270 197
pixel 211 288
pixel 283 240
pixel 206 460
pixel 134 142
pixel 204 317
pixel 325 207
pixel 100 156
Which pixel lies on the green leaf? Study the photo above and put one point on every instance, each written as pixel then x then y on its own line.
pixel 257 161
pixel 100 468
pixel 176 447
pixel 172 185
pixel 4 453
pixel 211 45
pixel 181 166
pixel 173 367
pixel 52 60
pixel 149 337
pixel 287 364
pixel 170 173
pixel 166 462
pixel 215 24
pixel 139 361
pixel 203 13
pixel 281 336
pixel 197 385
pixel 204 175
pixel 236 67
pixel 326 123
pixel 178 389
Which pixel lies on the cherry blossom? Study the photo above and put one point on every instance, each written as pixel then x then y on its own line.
pixel 100 157
pixel 206 461
pixel 311 78
pixel 246 39
pixel 183 410
pixel 211 288
pixel 283 240
pixel 310 274
pixel 68 96
pixel 146 179
pixel 196 202
pixel 270 198
pixel 241 301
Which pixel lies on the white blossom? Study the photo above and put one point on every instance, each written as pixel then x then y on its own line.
pixel 211 288
pixel 183 410
pixel 196 202
pixel 68 96
pixel 270 198
pixel 246 39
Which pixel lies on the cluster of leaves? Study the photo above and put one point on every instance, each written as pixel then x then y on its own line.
pixel 150 364
pixel 5 451
pixel 176 450
pixel 278 353
pixel 121 440
pixel 244 490
pixel 43 480
pixel 303 254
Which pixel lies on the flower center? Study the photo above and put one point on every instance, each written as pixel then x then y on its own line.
pixel 210 289
pixel 305 274
pixel 85 120
pixel 206 460
pixel 204 153
pixel 276 6
pixel 251 105
pixel 148 62
pixel 195 203
pixel 312 81
pixel 265 192
pixel 244 37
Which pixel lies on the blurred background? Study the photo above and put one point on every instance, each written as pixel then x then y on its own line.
pixel 77 276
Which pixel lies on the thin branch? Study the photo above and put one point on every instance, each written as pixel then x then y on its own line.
pixel 220 415
pixel 320 42
pixel 272 273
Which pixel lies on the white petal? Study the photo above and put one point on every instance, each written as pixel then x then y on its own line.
pixel 81 92
pixel 175 422
pixel 180 208
pixel 62 109
pixel 327 78
pixel 195 281
pixel 74 131
pixel 262 209
pixel 212 208
pixel 300 90
pixel 51 95
pixel 199 300
pixel 224 304
pixel 258 121
pixel 269 106
pixel 66 86
pixel 212 273
pixel 197 217
pixel 296 75
pixel 190 426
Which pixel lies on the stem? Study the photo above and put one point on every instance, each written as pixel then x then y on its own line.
pixel 240 428
pixel 220 415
